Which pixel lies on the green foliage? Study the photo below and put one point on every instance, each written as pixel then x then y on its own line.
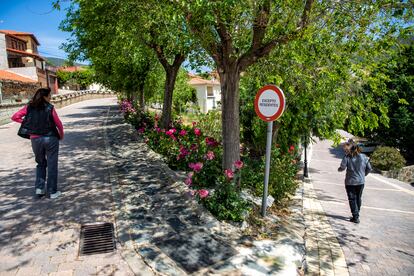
pixel 184 94
pixel 397 70
pixel 282 182
pixel 387 158
pixel 83 77
pixel 210 123
pixel 283 170
pixel 226 202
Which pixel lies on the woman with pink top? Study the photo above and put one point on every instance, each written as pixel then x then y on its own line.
pixel 41 124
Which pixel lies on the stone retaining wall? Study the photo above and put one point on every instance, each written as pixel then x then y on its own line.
pixel 12 90
pixel 59 101
pixel 405 174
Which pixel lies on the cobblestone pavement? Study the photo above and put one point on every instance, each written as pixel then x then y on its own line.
pixel 383 243
pixel 41 237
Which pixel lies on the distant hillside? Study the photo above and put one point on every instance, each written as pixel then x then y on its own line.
pixel 59 61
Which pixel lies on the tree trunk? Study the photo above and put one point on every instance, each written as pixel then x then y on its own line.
pixel 229 79
pixel 141 98
pixel 170 79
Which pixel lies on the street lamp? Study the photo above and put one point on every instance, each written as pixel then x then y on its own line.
pixel 305 168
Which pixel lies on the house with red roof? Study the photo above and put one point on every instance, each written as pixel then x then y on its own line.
pixel 208 92
pixel 19 55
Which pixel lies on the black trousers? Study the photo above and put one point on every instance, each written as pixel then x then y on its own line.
pixel 354 193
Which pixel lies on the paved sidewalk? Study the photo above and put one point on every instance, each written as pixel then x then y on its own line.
pixel 41 237
pixel 383 243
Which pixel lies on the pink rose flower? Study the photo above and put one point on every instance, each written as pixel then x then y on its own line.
pixel 141 130
pixel 190 174
pixel 183 153
pixel 188 181
pixel 197 131
pixel 291 148
pixel 211 142
pixel 183 132
pixel 196 166
pixel 210 155
pixel 173 130
pixel 238 164
pixel 203 193
pixel 229 174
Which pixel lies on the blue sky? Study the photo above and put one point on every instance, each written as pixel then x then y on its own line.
pixel 37 17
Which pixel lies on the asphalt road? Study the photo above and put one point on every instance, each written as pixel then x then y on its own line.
pixel 383 243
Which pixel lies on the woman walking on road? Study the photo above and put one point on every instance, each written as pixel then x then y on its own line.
pixel 41 124
pixel 357 167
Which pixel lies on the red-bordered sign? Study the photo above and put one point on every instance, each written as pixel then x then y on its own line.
pixel 269 103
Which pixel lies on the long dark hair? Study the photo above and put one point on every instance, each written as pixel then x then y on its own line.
pixel 38 99
pixel 352 148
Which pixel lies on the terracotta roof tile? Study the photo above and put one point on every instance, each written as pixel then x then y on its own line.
pixel 16 33
pixel 198 80
pixel 6 75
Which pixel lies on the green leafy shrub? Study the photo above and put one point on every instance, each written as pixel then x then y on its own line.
pixel 387 158
pixel 226 202
pixel 210 123
pixel 283 169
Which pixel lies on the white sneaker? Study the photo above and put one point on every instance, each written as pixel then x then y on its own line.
pixel 40 191
pixel 55 195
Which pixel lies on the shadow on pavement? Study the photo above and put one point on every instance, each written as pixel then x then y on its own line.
pixel 83 179
pixel 338 152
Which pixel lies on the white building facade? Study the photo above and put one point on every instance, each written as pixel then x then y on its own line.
pixel 208 93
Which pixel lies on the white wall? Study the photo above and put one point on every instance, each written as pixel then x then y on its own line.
pixel 4 64
pixel 207 103
pixel 201 97
pixel 28 72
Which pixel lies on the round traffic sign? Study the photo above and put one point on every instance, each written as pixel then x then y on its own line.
pixel 269 103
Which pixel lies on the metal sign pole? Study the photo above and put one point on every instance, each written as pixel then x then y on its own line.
pixel 267 167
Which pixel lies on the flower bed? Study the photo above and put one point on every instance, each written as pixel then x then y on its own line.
pixel 186 148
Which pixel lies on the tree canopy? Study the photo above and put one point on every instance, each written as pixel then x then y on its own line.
pixel 322 53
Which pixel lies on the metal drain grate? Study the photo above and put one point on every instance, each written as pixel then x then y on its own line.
pixel 97 238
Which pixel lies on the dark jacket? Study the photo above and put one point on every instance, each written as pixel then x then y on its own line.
pixel 38 121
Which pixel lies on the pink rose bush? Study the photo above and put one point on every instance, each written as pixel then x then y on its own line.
pixel 187 148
